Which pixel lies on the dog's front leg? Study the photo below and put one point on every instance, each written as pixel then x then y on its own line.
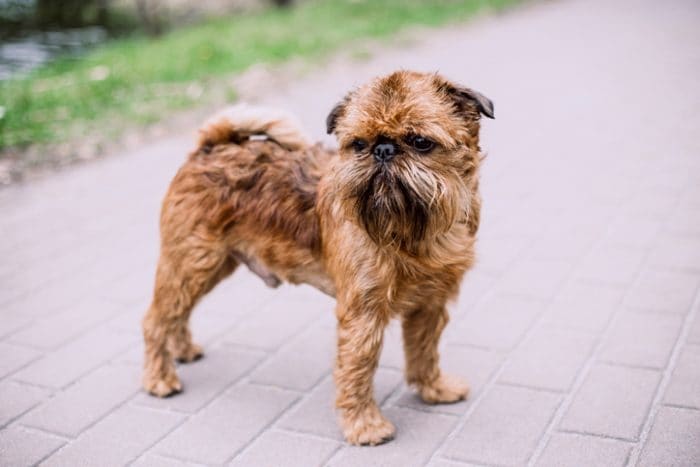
pixel 360 334
pixel 421 334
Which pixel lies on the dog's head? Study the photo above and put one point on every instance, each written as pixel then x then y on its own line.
pixel 409 153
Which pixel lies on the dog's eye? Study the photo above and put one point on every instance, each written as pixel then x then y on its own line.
pixel 359 145
pixel 421 144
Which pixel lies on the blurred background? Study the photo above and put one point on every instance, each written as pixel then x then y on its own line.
pixel 37 31
pixel 77 75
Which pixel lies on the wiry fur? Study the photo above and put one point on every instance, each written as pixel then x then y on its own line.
pixel 385 239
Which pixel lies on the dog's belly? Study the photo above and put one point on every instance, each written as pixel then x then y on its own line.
pixel 275 263
pixel 257 268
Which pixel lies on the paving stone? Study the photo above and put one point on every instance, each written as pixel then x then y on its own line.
pixel 538 279
pixel 583 306
pixel 316 413
pixel 204 379
pixel 446 463
pixel 302 363
pixel 567 239
pixel 573 450
pixel 117 439
pixel 134 287
pixel 132 356
pixel 392 348
pixel 549 359
pixel 569 248
pixel 496 253
pixel 20 447
pixel 633 231
pixel 682 224
pixel 613 401
pixel 677 252
pixel 280 319
pixel 652 204
pixel 70 412
pixel 581 315
pixel 56 329
pixel 288 449
pixel 14 357
pixel 18 398
pixel 578 290
pixel 231 303
pixel 152 460
pixel 474 287
pixel 690 198
pixel 128 321
pixel 694 333
pixel 663 291
pixel 684 387
pixel 500 322
pixel 527 223
pixel 674 439
pixel 418 435
pixel 13 322
pixel 54 286
pixel 505 427
pixel 66 364
pixel 473 365
pixel 609 264
pixel 327 320
pixel 641 339
pixel 133 247
pixel 216 433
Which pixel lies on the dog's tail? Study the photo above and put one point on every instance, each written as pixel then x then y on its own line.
pixel 241 122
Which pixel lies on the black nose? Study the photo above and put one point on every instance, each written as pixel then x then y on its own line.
pixel 384 152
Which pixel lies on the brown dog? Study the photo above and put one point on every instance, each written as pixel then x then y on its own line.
pixel 386 225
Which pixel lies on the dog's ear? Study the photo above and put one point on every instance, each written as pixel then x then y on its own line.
pixel 483 103
pixel 332 118
pixel 467 97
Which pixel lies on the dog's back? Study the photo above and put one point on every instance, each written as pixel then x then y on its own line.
pixel 253 171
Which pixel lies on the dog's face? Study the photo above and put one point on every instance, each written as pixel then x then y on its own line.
pixel 408 151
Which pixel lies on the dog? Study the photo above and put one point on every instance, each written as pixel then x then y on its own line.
pixel 386 224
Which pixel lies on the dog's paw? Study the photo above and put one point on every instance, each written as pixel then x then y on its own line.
pixel 368 428
pixel 444 390
pixel 163 387
pixel 191 353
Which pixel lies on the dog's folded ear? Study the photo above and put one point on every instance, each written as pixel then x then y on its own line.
pixel 467 97
pixel 332 118
pixel 483 103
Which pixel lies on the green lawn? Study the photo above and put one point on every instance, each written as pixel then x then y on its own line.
pixel 134 80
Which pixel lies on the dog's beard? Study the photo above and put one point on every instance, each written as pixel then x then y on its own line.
pixel 403 205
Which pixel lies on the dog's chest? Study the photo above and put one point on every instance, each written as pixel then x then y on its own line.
pixel 420 282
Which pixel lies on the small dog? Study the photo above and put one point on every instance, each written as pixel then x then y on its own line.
pixel 386 225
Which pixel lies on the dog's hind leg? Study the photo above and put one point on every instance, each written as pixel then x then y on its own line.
pixel 185 273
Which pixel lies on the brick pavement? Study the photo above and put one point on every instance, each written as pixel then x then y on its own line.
pixel 579 329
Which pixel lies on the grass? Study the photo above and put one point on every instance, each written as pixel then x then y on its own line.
pixel 134 80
